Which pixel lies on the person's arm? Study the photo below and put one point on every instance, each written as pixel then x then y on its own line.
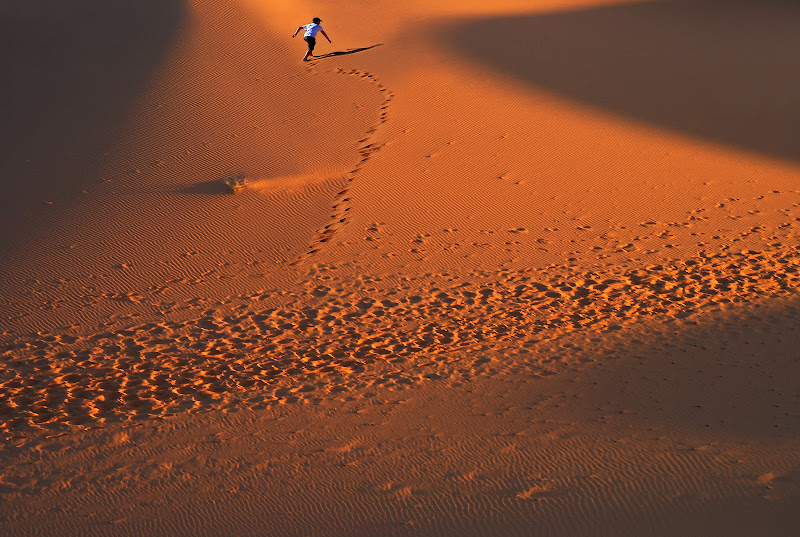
pixel 300 28
pixel 326 35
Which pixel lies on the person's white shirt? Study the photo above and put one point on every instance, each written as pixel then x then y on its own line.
pixel 312 30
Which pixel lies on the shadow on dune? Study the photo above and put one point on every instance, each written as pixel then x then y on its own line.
pixel 727 71
pixel 730 375
pixel 729 380
pixel 344 52
pixel 71 73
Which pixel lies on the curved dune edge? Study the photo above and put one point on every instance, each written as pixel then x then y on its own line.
pixel 691 67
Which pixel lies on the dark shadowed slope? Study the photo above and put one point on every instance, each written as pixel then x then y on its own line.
pixel 71 73
pixel 728 71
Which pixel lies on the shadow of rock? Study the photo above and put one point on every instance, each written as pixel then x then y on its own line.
pixel 727 71
pixel 214 187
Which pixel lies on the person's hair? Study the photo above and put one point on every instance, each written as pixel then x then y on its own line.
pixel 316 19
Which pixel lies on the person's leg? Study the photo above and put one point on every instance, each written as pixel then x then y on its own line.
pixel 310 53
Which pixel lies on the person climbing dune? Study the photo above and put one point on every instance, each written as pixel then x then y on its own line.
pixel 310 36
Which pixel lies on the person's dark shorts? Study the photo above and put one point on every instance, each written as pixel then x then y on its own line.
pixel 312 42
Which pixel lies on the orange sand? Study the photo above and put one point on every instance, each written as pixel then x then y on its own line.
pixel 498 268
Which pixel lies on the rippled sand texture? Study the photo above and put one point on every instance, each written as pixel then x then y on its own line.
pixel 508 268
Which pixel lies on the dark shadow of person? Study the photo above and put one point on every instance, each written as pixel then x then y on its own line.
pixel 343 52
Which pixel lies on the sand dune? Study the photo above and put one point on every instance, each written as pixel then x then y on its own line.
pixel 152 205
pixel 502 268
pixel 340 336
pixel 645 444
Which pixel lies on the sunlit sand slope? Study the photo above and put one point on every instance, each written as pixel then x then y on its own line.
pixel 141 209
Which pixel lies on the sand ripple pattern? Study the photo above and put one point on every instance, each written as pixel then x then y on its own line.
pixel 336 338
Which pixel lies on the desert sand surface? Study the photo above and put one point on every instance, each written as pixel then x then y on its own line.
pixel 523 267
